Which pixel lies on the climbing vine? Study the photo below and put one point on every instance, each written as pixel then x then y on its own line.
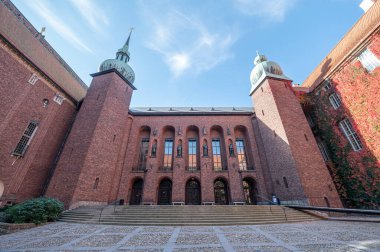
pixel 355 174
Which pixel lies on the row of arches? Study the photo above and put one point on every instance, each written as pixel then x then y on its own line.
pixel 193 194
pixel 192 144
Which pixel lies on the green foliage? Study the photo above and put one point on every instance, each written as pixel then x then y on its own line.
pixel 39 210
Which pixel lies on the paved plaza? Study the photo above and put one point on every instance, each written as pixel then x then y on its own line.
pixel 303 236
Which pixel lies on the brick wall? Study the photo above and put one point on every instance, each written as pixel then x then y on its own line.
pixel 21 102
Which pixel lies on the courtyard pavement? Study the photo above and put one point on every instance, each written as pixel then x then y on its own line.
pixel 302 236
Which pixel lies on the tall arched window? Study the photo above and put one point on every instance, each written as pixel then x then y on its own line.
pixel 241 154
pixel 168 155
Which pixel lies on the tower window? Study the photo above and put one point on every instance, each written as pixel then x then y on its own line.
pixel 24 142
pixel 58 98
pixel 262 111
pixel 33 79
pixel 168 156
pixel 241 154
pixel 216 155
pixel 192 151
pixel 96 183
pixel 306 137
pixel 285 182
pixel 351 135
pixel 327 85
pixel 369 60
pixel 335 100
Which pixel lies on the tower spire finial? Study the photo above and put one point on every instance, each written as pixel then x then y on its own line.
pixel 129 37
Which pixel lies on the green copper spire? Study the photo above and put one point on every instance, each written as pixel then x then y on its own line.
pixel 120 63
pixel 125 49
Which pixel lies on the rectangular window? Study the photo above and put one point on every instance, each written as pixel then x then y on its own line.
pixel 350 134
pixel 216 155
pixel 327 85
pixel 143 154
pixel 323 149
pixel 168 155
pixel 241 154
pixel 24 142
pixel 335 100
pixel 192 155
pixel 369 60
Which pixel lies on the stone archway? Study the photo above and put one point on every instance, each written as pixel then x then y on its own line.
pixel 193 192
pixel 136 193
pixel 220 192
pixel 249 188
pixel 165 192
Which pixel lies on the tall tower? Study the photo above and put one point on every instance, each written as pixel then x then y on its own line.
pixel 295 170
pixel 90 165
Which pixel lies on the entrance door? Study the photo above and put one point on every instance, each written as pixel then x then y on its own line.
pixel 193 193
pixel 165 192
pixel 220 193
pixel 249 192
pixel 136 194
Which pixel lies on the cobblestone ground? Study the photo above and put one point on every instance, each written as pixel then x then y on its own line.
pixel 304 236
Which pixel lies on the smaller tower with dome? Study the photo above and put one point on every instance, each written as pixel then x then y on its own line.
pixel 120 63
pixel 264 68
pixel 292 154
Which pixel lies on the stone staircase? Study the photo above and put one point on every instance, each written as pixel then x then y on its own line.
pixel 185 215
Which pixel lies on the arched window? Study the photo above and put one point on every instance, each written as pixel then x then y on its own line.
pixel 168 155
pixel 96 183
pixel 241 154
pixel 285 182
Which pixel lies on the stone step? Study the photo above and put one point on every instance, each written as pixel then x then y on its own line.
pixel 185 215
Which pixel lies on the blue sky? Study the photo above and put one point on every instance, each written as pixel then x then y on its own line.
pixel 193 53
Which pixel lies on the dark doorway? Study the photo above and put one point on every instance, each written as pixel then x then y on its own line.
pixel 165 192
pixel 249 192
pixel 220 192
pixel 193 192
pixel 137 189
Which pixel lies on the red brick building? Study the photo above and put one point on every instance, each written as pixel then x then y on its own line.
pixel 88 147
pixel 341 100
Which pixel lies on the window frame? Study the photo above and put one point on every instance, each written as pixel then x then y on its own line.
pixel 168 153
pixel 25 140
pixel 191 162
pixel 217 153
pixel 335 100
pixel 351 135
pixel 369 60
pixel 241 168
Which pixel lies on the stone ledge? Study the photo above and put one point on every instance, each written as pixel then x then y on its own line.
pixel 8 228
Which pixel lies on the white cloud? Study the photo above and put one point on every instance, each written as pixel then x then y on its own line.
pixel 92 13
pixel 274 10
pixel 58 25
pixel 187 44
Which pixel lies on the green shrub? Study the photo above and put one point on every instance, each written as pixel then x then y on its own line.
pixel 39 210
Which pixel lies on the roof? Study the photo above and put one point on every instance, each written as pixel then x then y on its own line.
pixel 16 29
pixel 191 111
pixel 349 44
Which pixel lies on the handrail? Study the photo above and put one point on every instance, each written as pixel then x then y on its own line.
pixel 272 203
pixel 101 211
pixel 338 210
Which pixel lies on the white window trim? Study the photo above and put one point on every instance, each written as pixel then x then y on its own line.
pixel 58 98
pixel 33 79
pixel 335 100
pixel 346 126
pixel 369 60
